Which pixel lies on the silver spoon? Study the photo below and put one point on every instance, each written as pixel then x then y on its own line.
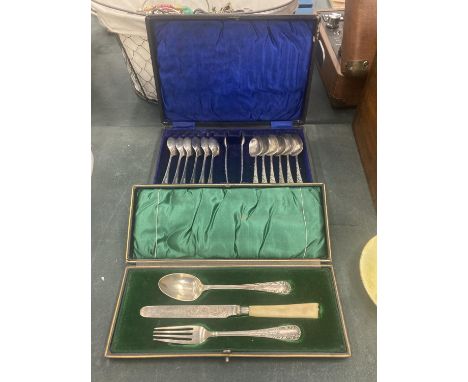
pixel 198 151
pixel 279 152
pixel 171 145
pixel 272 149
pixel 254 151
pixel 181 150
pixel 287 150
pixel 264 145
pixel 297 149
pixel 188 153
pixel 214 147
pixel 185 287
pixel 206 153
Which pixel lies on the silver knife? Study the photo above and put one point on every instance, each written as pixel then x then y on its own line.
pixel 307 310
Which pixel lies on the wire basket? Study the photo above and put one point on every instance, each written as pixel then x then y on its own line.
pixel 126 18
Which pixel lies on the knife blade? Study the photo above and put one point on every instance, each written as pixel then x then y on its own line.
pixel 307 310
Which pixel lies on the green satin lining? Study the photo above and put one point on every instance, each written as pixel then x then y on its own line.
pixel 229 223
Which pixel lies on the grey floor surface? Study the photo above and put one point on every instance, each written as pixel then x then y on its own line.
pixel 125 133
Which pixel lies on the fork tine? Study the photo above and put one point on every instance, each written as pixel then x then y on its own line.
pixel 172 341
pixel 181 332
pixel 174 327
pixel 188 336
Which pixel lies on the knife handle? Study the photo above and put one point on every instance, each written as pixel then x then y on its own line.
pixel 309 310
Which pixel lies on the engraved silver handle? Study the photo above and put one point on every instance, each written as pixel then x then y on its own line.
pixel 288 171
pixel 166 174
pixel 255 176
pixel 264 178
pixel 202 175
pixel 176 175
pixel 280 170
pixel 284 333
pixel 272 171
pixel 278 287
pixel 298 172
pixel 210 177
pixel 183 178
pixel 192 179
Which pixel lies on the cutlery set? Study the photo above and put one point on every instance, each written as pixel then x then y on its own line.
pixel 186 287
pixel 259 146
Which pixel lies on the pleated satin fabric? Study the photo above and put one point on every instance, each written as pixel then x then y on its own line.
pixel 233 70
pixel 229 223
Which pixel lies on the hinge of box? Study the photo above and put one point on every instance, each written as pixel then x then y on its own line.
pixel 281 124
pixel 183 125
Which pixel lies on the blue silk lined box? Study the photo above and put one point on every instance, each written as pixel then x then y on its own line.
pixel 227 76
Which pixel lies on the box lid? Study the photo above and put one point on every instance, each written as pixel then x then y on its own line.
pixel 224 69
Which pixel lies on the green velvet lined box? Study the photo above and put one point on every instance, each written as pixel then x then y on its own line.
pixel 229 234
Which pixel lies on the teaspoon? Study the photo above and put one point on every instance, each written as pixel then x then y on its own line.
pixel 288 149
pixel 264 145
pixel 206 153
pixel 272 149
pixel 279 152
pixel 214 147
pixel 188 151
pixel 171 145
pixel 180 149
pixel 254 151
pixel 198 151
pixel 297 149
pixel 185 287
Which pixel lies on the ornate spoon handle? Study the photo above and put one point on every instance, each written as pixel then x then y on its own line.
pixel 280 171
pixel 255 175
pixel 192 179
pixel 264 178
pixel 288 171
pixel 272 171
pixel 183 178
pixel 210 177
pixel 166 174
pixel 202 174
pixel 283 333
pixel 298 172
pixel 278 287
pixel 176 175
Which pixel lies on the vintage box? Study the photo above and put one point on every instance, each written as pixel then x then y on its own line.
pixel 231 77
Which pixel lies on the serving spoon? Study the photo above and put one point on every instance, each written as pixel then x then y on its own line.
pixel 185 287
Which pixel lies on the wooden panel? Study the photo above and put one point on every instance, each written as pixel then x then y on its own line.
pixel 365 130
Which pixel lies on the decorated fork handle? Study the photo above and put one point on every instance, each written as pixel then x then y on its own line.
pixel 283 333
pixel 278 287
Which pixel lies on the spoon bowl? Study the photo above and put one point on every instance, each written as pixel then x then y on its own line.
pixel 181 286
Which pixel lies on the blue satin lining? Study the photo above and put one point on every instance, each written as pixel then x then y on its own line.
pixel 233 70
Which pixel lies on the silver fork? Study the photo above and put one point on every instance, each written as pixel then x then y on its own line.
pixel 195 335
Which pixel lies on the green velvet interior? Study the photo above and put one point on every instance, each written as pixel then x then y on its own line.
pixel 229 223
pixel 133 333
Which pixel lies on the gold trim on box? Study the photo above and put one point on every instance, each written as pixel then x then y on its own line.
pixel 228 261
pixel 225 353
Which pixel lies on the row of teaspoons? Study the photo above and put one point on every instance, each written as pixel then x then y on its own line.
pixel 186 147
